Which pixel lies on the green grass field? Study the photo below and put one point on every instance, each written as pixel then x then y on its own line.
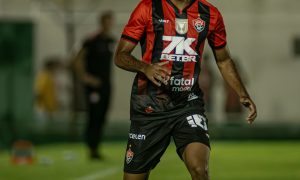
pixel 229 161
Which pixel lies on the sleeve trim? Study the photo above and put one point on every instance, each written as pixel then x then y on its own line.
pixel 131 39
pixel 218 47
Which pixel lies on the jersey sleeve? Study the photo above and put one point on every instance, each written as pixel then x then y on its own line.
pixel 136 26
pixel 217 39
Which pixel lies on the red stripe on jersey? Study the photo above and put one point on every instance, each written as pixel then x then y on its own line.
pixel 169 15
pixel 189 67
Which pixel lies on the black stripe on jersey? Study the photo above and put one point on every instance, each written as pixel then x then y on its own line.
pixel 130 38
pixel 177 67
pixel 204 13
pixel 143 43
pixel 158 27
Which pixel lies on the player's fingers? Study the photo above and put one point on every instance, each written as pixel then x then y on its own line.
pixel 156 82
pixel 252 114
pixel 161 77
pixel 164 69
pixel 163 63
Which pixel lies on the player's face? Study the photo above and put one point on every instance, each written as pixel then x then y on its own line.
pixel 108 23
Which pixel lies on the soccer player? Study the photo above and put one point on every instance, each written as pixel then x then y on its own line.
pixel 166 100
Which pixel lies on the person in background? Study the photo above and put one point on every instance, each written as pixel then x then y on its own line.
pixel 93 67
pixel 46 102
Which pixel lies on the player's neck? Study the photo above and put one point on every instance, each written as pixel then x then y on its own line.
pixel 104 32
pixel 181 4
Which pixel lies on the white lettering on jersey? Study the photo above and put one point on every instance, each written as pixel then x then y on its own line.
pixel 181 84
pixel 181 46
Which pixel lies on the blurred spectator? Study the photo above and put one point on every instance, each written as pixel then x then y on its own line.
pixel 46 101
pixel 93 67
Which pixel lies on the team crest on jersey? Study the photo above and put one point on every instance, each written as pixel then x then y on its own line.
pixel 182 26
pixel 129 155
pixel 199 24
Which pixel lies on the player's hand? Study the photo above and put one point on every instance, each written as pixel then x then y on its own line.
pixel 248 103
pixel 157 73
pixel 92 81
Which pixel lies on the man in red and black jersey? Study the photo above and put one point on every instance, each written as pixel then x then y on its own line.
pixel 166 100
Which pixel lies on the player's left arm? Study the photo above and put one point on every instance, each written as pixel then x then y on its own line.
pixel 232 77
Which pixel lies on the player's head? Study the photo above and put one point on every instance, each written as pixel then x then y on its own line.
pixel 52 63
pixel 106 21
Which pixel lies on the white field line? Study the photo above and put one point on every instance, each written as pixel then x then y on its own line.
pixel 99 174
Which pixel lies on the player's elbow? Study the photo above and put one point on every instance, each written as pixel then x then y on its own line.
pixel 118 60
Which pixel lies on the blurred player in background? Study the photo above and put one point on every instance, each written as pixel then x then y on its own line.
pixel 93 66
pixel 166 100
pixel 46 102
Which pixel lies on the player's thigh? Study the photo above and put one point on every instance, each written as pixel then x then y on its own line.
pixel 196 157
pixel 190 128
pixel 147 142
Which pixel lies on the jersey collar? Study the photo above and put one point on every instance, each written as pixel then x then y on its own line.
pixel 179 10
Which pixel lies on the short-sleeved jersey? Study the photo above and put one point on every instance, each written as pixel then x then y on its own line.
pixel 167 33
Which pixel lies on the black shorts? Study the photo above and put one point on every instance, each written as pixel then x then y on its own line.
pixel 148 140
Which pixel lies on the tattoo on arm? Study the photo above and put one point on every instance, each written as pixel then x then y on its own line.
pixel 125 60
pixel 131 63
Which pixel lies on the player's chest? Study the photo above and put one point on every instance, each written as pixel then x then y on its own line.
pixel 189 24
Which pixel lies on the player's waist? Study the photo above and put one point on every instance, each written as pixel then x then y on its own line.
pixel 137 115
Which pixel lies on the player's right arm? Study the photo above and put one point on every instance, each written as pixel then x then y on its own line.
pixel 131 35
pixel 156 73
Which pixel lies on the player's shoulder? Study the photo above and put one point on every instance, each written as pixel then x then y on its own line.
pixel 92 36
pixel 146 3
pixel 212 7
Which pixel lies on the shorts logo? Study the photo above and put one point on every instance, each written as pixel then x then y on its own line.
pixel 199 24
pixel 197 121
pixel 137 136
pixel 129 155
pixel 149 110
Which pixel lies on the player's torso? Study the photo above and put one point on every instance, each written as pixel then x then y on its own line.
pixel 99 56
pixel 177 36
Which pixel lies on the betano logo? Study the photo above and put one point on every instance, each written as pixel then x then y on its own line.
pixel 182 47
pixel 180 85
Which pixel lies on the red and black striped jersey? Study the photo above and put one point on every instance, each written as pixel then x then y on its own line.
pixel 167 33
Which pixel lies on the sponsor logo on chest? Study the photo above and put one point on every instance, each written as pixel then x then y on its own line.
pixel 179 49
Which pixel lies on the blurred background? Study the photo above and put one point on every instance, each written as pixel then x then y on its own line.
pixel 264 39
